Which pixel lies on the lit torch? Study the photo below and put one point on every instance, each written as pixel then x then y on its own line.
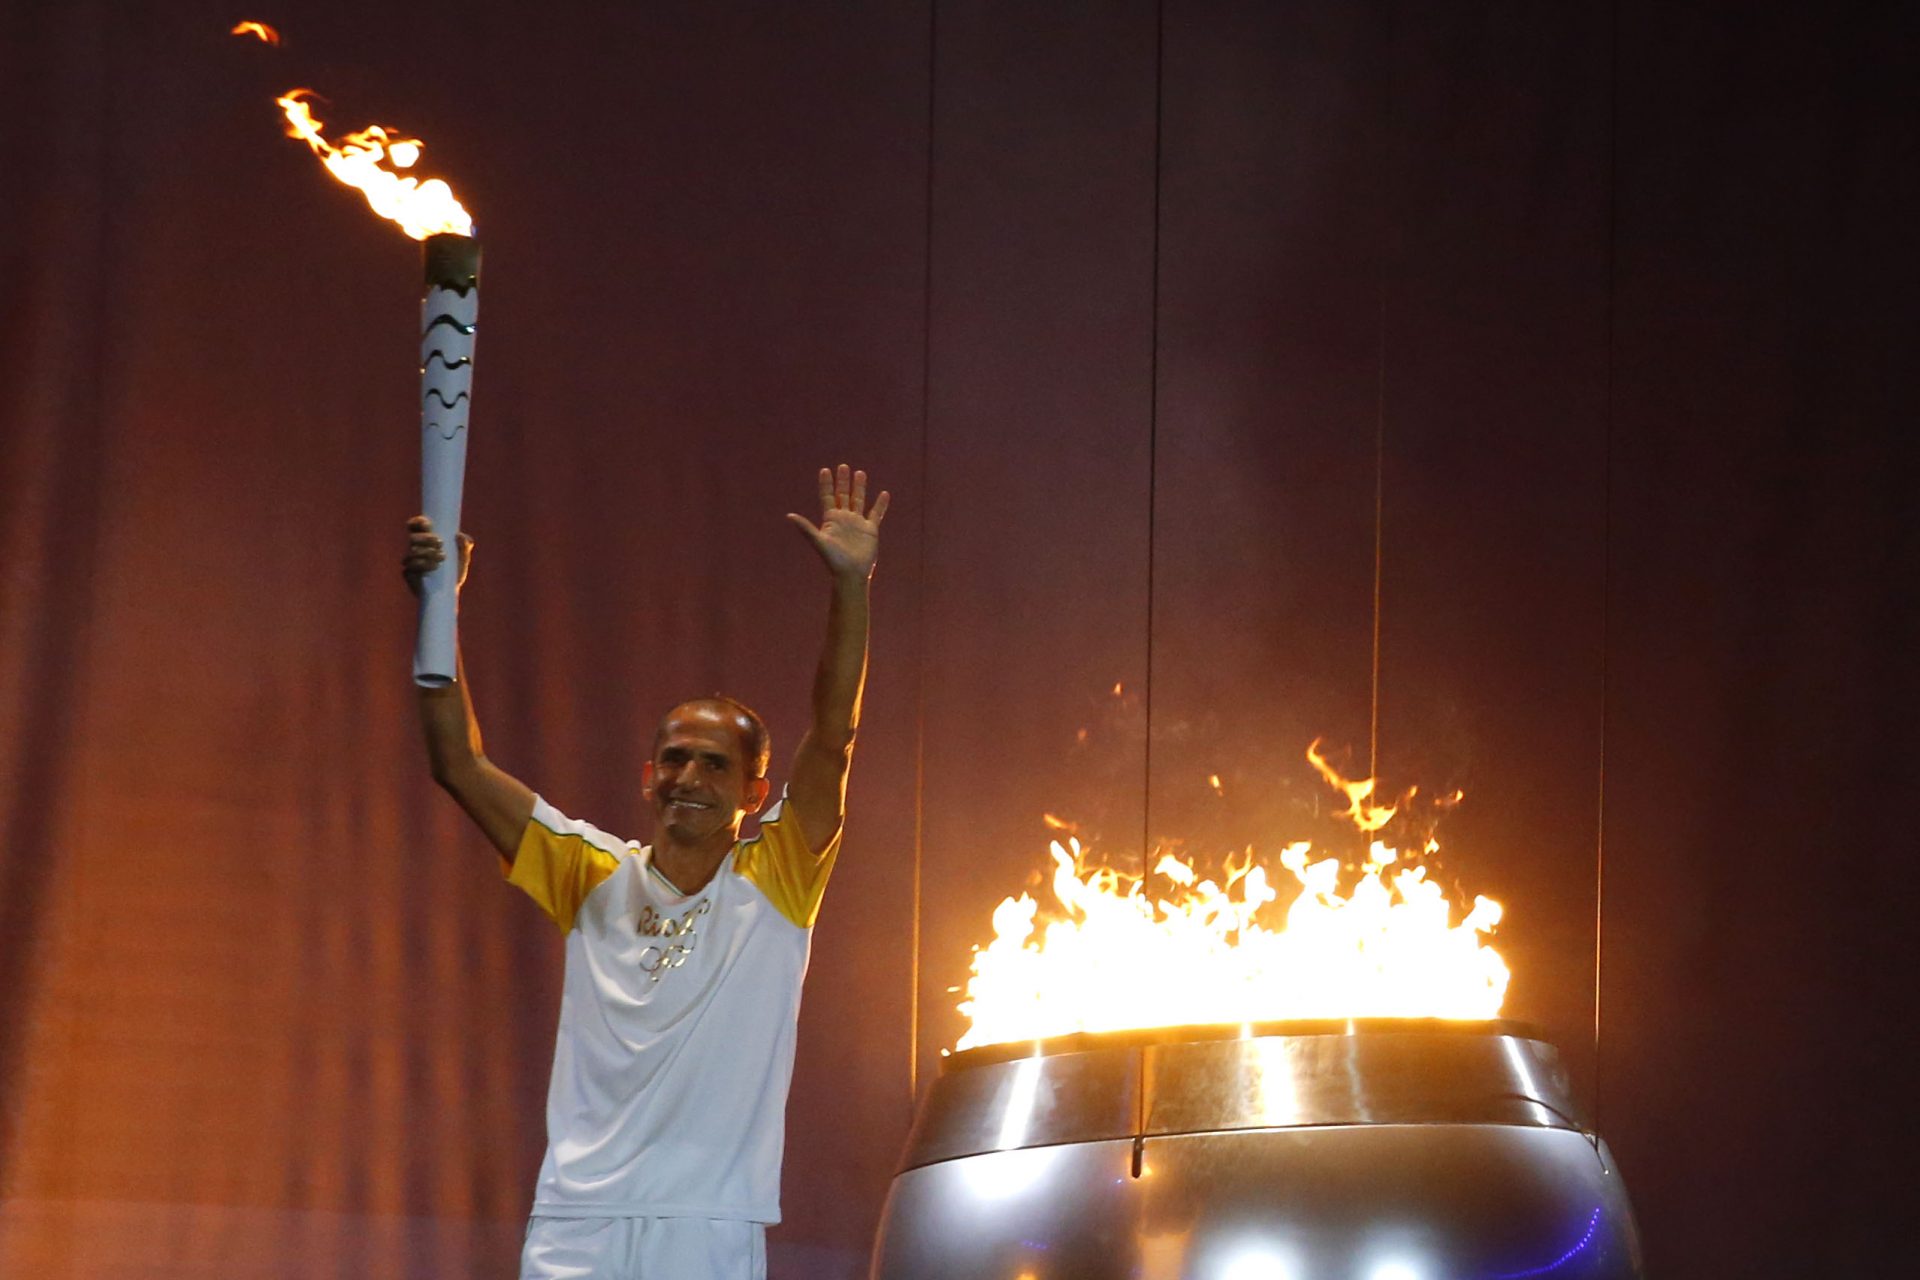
pixel 369 162
pixel 448 315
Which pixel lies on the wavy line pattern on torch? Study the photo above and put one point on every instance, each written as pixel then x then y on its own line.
pixel 455 344
pixel 441 356
pixel 449 345
pixel 451 323
pixel 443 306
pixel 446 433
pixel 434 393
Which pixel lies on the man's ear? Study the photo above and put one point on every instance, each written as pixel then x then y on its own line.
pixel 646 779
pixel 757 794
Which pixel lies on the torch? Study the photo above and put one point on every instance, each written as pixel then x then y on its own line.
pixel 369 161
pixel 449 310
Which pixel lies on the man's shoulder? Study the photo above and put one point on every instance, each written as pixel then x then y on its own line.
pixel 779 863
pixel 549 817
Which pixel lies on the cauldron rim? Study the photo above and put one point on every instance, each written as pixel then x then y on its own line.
pixel 1094 1041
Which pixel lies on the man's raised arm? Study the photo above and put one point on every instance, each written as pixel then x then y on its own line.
pixel 497 801
pixel 848 540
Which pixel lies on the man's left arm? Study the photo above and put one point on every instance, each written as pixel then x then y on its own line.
pixel 848 540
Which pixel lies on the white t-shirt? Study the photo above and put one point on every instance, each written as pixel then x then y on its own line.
pixel 677 1014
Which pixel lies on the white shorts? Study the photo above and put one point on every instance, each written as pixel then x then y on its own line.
pixel 643 1249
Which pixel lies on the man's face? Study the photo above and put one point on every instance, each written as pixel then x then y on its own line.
pixel 697 782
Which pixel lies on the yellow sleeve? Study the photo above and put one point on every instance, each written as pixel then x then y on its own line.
pixel 561 861
pixel 778 863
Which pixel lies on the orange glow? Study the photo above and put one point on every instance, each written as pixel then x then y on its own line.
pixel 1114 951
pixel 1367 817
pixel 366 161
pixel 260 29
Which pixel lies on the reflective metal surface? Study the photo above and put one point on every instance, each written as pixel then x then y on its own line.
pixel 1391 1151
pixel 1366 1202
pixel 1380 1078
pixel 1027 1102
pixel 1281 1074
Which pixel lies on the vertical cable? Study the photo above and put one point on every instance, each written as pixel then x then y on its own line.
pixel 1379 523
pixel 1606 529
pixel 1384 159
pixel 1153 432
pixel 920 622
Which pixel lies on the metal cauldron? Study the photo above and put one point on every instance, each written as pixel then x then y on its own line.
pixel 1378 1149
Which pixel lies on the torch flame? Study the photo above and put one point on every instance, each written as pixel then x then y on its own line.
pixel 259 29
pixel 366 162
pixel 1112 956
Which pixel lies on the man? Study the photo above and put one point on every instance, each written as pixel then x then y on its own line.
pixel 684 958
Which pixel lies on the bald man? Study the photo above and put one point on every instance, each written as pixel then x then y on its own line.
pixel 684 957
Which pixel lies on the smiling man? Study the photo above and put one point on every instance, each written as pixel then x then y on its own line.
pixel 684 958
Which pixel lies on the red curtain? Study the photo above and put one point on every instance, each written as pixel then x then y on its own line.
pixel 1589 317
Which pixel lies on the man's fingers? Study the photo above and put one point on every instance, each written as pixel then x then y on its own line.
pixel 844 489
pixel 807 526
pixel 427 551
pixel 417 564
pixel 430 549
pixel 880 507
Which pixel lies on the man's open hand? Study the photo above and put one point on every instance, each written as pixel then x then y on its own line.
pixel 848 535
pixel 426 552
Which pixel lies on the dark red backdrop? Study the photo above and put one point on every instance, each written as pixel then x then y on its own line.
pixel 1616 298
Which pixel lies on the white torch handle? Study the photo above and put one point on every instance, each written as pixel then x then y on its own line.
pixel 447 331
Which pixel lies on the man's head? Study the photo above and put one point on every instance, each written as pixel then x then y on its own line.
pixel 708 770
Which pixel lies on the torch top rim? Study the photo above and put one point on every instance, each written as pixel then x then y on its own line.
pixel 451 260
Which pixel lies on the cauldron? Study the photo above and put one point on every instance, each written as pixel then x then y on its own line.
pixel 1370 1149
